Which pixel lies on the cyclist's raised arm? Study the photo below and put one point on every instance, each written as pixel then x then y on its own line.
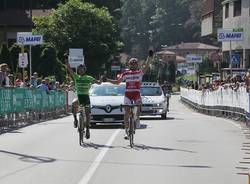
pixel 149 60
pixel 117 82
pixel 96 81
pixel 69 70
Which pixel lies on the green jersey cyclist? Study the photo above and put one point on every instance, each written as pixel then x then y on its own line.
pixel 83 83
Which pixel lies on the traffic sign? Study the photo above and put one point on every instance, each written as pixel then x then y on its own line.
pixel 235 58
pixel 224 35
pixel 23 60
pixel 115 67
pixel 191 58
pixel 29 39
pixel 74 62
pixel 76 57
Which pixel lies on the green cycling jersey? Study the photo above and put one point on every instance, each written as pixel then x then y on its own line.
pixel 83 83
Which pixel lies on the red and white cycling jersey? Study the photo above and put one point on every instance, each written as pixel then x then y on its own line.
pixel 133 80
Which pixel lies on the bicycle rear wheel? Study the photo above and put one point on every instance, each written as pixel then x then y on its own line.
pixel 81 129
pixel 131 132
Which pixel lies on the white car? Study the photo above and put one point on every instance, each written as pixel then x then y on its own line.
pixel 153 100
pixel 105 103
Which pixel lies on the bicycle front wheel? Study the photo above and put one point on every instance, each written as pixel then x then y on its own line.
pixel 80 129
pixel 131 132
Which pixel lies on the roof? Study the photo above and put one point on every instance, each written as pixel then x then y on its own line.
pixel 166 52
pixel 41 13
pixel 192 46
pixel 180 59
pixel 208 7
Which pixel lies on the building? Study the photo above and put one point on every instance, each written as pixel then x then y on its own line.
pixel 236 15
pixel 211 18
pixel 184 49
pixel 16 16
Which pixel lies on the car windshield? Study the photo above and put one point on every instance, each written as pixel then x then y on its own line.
pixel 151 91
pixel 107 90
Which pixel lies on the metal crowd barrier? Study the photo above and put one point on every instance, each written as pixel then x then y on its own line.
pixel 21 106
pixel 222 102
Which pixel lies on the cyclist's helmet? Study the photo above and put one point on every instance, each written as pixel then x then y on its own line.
pixel 82 67
pixel 133 63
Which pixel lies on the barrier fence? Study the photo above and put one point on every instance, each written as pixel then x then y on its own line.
pixel 25 105
pixel 221 100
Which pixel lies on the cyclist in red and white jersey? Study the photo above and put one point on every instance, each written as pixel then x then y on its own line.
pixel 133 79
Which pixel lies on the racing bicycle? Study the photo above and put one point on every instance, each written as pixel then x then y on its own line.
pixel 81 123
pixel 132 121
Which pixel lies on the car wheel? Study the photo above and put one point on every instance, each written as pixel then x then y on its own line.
pixel 164 116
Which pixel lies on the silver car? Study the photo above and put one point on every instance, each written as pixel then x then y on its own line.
pixel 153 100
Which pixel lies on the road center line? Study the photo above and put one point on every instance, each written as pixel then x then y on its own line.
pixel 90 172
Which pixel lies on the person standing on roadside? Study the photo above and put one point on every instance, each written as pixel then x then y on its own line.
pixel 247 81
pixel 167 89
pixel 3 69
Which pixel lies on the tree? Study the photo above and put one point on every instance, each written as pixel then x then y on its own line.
pixel 14 54
pixel 48 63
pixel 147 23
pixel 5 55
pixel 81 25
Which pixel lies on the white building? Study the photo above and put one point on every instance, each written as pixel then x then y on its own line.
pixel 236 15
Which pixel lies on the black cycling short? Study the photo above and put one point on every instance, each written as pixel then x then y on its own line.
pixel 83 100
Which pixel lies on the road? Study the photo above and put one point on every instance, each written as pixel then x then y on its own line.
pixel 188 148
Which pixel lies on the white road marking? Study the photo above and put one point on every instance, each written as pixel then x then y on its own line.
pixel 91 171
pixel 235 124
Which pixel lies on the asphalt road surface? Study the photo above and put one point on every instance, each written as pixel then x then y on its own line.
pixel 188 148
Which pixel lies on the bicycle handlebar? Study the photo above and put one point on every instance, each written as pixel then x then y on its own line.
pixel 129 105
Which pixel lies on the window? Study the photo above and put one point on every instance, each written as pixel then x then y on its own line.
pixel 151 91
pixel 237 8
pixel 227 10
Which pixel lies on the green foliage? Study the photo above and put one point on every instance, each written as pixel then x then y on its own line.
pixel 14 54
pixel 47 63
pixel 207 67
pixel 152 23
pixel 5 55
pixel 81 25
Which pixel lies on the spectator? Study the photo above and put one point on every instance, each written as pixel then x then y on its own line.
pixel 35 74
pixel 24 84
pixel 43 86
pixel 47 82
pixel 57 84
pixel 19 80
pixel 33 82
pixel 247 81
pixel 52 84
pixel 167 89
pixel 8 82
pixel 3 68
pixel 11 77
pixel 39 81
pixel 192 86
pixel 72 86
pixel 196 86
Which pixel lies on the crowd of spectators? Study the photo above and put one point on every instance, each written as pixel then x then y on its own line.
pixel 233 83
pixel 22 80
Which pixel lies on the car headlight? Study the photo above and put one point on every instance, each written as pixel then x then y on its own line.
pixel 159 104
